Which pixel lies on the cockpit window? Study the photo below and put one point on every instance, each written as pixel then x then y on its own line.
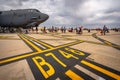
pixel 0 12
pixel 33 10
pixel 37 10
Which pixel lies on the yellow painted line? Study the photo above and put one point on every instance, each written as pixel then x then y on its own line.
pixel 95 42
pixel 69 44
pixel 116 46
pixel 18 57
pixel 73 75
pixel 35 47
pixel 44 44
pixel 40 42
pixel 10 38
pixel 34 53
pixel 4 36
pixel 113 75
pixel 72 43
pixel 108 43
pixel 82 40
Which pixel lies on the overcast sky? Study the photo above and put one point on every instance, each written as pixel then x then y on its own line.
pixel 89 13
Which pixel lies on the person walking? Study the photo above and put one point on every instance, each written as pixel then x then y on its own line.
pixel 105 29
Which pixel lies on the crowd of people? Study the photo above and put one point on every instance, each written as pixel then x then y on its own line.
pixel 63 29
pixel 77 30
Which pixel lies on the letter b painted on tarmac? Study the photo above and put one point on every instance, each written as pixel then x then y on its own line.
pixel 42 63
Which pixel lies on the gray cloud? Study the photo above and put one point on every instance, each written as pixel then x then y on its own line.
pixel 71 12
pixel 73 4
pixel 7 4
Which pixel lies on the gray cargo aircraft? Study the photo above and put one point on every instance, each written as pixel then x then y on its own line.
pixel 24 18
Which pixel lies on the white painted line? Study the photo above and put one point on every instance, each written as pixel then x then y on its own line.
pixel 57 78
pixel 38 44
pixel 96 77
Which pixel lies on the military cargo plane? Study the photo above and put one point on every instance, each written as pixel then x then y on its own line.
pixel 21 18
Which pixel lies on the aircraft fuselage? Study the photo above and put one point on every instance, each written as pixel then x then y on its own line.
pixel 24 18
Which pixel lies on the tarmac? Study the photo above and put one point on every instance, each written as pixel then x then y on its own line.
pixel 60 56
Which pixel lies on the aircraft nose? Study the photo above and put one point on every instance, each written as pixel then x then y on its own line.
pixel 45 16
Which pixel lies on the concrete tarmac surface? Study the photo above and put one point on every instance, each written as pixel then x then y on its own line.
pixel 60 56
